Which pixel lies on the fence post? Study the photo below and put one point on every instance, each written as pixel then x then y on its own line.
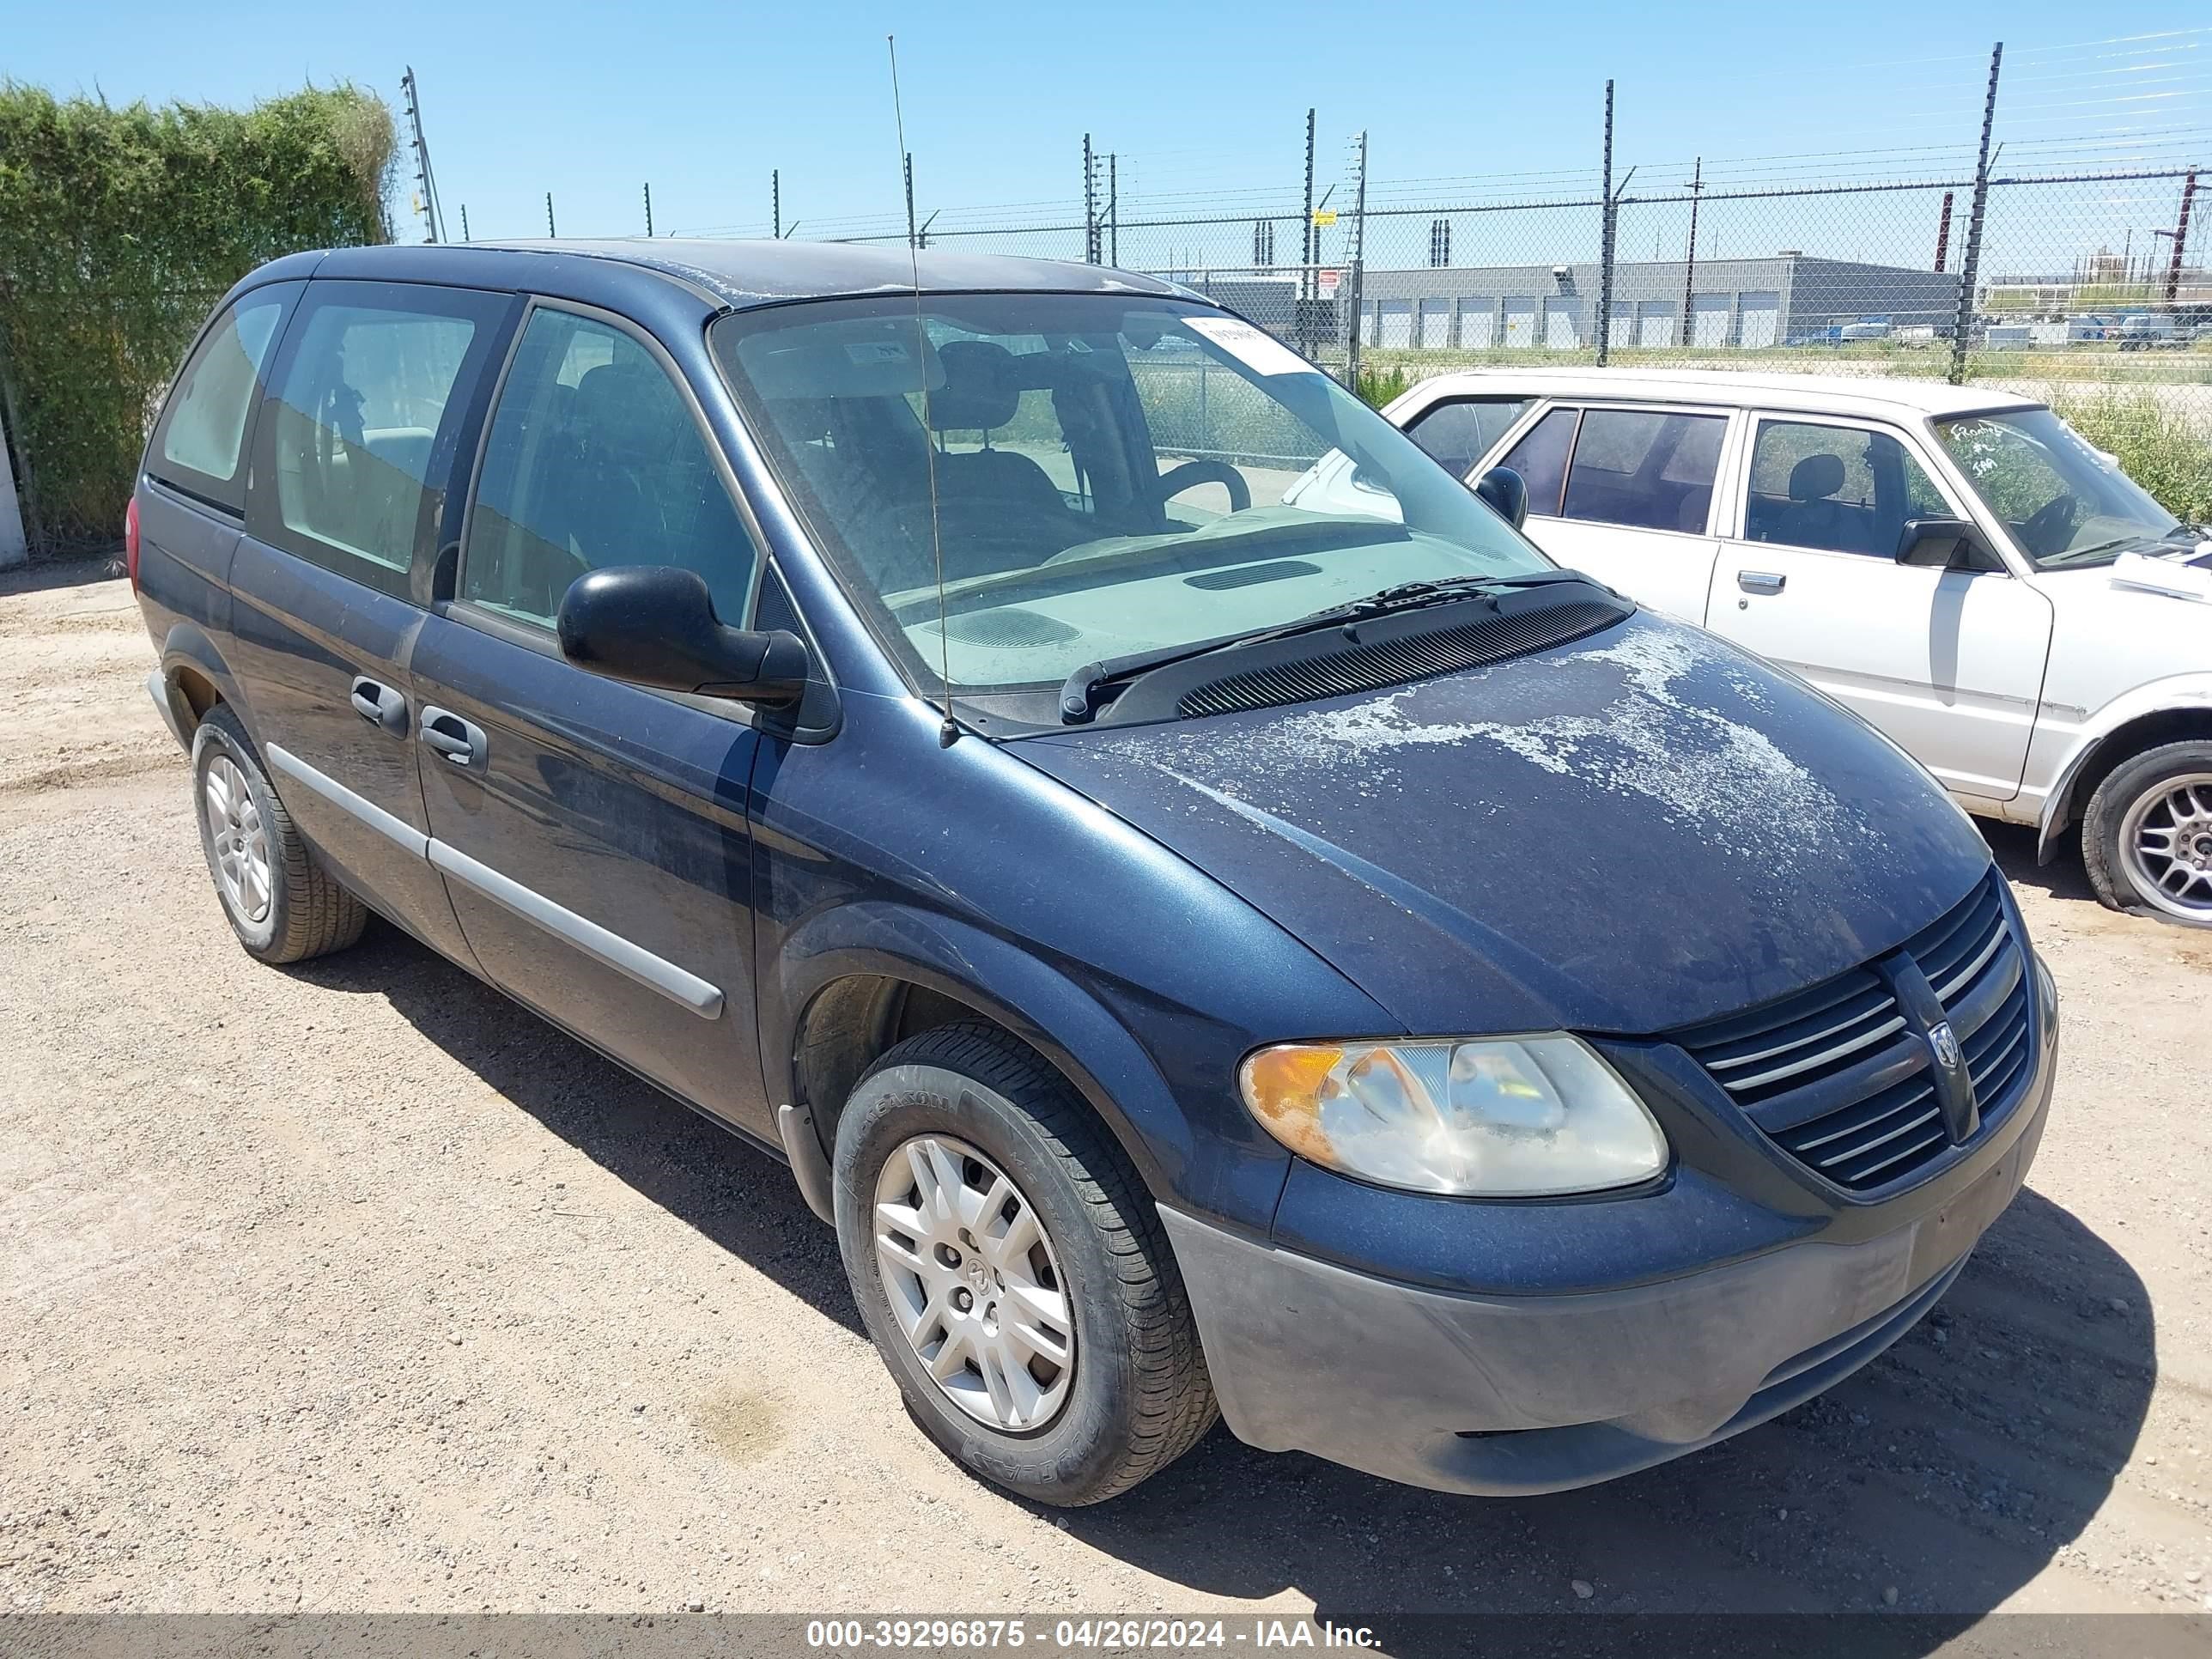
pixel 1358 262
pixel 1605 238
pixel 1963 322
pixel 1308 256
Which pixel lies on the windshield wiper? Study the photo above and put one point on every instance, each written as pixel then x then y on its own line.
pixel 1078 693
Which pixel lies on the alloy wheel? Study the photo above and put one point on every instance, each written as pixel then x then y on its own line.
pixel 239 839
pixel 2167 842
pixel 975 1284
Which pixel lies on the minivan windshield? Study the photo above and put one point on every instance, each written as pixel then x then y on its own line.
pixel 2066 504
pixel 1111 474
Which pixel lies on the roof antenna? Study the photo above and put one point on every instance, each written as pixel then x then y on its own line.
pixel 949 732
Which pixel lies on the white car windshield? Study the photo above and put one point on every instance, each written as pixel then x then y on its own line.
pixel 2066 503
pixel 1092 475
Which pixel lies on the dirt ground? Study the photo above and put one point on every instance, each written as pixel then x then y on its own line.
pixel 355 1287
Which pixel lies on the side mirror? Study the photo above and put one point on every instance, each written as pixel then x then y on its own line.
pixel 652 624
pixel 1505 493
pixel 1943 544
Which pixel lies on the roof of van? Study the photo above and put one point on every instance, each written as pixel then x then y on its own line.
pixel 752 273
pixel 1827 394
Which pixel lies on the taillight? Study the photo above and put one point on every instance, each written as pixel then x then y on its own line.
pixel 130 542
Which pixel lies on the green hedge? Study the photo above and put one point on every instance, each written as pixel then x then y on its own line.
pixel 118 229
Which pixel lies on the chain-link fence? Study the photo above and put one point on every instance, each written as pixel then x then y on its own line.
pixel 2071 276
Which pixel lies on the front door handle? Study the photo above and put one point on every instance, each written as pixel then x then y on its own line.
pixel 380 705
pixel 462 742
pixel 1761 581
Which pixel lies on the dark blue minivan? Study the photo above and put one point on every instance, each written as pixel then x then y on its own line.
pixel 1209 913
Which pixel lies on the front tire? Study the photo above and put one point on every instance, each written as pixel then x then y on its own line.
pixel 2147 836
pixel 1011 1271
pixel 282 903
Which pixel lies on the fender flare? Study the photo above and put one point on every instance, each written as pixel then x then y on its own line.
pixel 2192 691
pixel 1035 1001
pixel 186 645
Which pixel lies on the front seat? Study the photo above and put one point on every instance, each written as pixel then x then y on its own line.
pixel 1814 517
pixel 1001 509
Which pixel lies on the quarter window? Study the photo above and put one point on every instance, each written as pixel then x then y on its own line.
pixel 1645 468
pixel 203 428
pixel 1837 489
pixel 1461 433
pixel 361 430
pixel 594 460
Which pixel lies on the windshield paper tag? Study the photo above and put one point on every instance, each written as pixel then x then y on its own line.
pixel 1257 349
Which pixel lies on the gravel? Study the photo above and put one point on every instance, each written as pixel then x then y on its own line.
pixel 355 1287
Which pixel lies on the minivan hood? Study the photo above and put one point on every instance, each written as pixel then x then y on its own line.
pixel 1636 832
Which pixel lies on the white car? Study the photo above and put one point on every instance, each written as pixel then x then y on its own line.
pixel 1955 564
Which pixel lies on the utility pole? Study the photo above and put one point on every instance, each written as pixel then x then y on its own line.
pixel 465 222
pixel 775 202
pixel 648 209
pixel 2180 240
pixel 1308 255
pixel 424 178
pixel 1690 264
pixel 549 231
pixel 1943 233
pixel 1089 205
pixel 1963 321
pixel 910 240
pixel 1604 237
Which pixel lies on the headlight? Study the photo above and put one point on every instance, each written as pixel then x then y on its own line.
pixel 1499 1117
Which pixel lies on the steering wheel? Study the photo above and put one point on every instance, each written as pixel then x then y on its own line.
pixel 1191 474
pixel 2046 529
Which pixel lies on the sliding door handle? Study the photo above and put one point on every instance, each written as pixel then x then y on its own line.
pixel 461 742
pixel 380 705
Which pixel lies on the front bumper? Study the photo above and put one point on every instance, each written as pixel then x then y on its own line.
pixel 1510 1395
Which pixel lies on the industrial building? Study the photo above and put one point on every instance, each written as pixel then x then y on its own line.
pixel 1789 298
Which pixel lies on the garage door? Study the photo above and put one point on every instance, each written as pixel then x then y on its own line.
pixel 1560 333
pixel 1709 320
pixel 1478 323
pixel 1655 323
pixel 1436 322
pixel 1762 320
pixel 1520 322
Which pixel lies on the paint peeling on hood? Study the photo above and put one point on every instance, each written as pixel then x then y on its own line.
pixel 1646 830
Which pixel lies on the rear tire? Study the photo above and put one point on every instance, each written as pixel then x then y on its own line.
pixel 279 900
pixel 1129 1394
pixel 2147 836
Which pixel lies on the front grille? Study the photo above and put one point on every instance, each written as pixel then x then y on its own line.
pixel 1397 662
pixel 1840 1078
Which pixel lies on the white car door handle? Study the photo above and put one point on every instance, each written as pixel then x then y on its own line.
pixel 1761 581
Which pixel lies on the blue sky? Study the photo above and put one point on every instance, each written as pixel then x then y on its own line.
pixel 1205 104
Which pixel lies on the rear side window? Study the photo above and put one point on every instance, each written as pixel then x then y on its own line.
pixel 1540 459
pixel 1646 469
pixel 202 441
pixel 593 459
pixel 1461 433
pixel 360 434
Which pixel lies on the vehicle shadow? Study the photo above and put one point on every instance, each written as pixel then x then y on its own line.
pixel 1951 1470
pixel 2063 877
pixel 72 572
pixel 738 1196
